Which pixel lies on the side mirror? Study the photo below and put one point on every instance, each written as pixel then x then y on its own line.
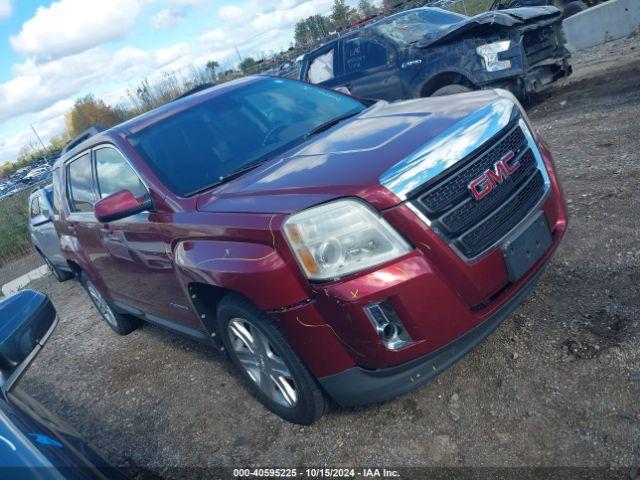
pixel 27 319
pixel 119 205
pixel 41 219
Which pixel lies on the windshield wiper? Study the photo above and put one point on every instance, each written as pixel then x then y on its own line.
pixel 330 123
pixel 229 176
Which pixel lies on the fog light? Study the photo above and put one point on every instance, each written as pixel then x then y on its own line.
pixel 388 325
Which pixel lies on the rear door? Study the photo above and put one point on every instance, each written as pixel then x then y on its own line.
pixel 42 229
pixel 369 68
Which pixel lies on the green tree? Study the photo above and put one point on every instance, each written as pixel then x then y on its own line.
pixel 300 33
pixel 389 4
pixel 247 65
pixel 342 15
pixel 366 9
pixel 311 30
pixel 212 65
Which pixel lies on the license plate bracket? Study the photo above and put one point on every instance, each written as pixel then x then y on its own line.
pixel 527 246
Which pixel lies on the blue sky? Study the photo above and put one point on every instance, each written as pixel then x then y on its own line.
pixel 52 52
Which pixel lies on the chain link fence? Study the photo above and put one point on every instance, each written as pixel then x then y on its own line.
pixel 14 218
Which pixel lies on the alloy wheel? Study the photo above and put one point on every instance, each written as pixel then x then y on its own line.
pixel 101 304
pixel 51 268
pixel 261 361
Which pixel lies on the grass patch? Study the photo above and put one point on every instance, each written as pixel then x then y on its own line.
pixel 14 234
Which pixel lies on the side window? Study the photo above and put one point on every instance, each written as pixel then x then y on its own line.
pixel 115 174
pixel 363 53
pixel 34 209
pixel 81 184
pixel 321 68
pixel 44 205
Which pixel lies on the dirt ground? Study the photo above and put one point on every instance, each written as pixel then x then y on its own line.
pixel 556 385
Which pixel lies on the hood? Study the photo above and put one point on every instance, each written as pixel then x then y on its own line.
pixel 504 18
pixel 346 160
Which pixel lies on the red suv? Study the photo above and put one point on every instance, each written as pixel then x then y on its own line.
pixel 331 246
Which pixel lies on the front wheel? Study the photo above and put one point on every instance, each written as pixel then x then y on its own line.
pixel 451 90
pixel 119 323
pixel 273 371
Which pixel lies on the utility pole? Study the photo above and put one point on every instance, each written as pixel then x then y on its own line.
pixel 239 56
pixel 39 139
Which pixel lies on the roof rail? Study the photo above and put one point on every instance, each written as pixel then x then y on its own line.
pixel 88 133
pixel 197 88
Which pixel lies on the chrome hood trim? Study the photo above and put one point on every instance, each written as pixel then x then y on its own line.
pixel 447 149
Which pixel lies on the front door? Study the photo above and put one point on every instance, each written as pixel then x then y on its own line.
pixel 369 69
pixel 137 263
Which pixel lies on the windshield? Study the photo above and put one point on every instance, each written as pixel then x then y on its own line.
pixel 412 25
pixel 202 146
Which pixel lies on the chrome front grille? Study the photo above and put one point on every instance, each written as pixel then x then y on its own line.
pixel 474 226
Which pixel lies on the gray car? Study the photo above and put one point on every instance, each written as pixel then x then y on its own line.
pixel 43 234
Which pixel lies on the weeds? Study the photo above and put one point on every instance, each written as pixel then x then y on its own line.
pixel 14 234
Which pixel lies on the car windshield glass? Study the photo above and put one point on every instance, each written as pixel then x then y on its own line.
pixel 210 142
pixel 411 26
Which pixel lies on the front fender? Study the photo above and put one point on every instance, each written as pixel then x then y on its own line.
pixel 254 270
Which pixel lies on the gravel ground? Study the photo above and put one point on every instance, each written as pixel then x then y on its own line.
pixel 19 267
pixel 553 386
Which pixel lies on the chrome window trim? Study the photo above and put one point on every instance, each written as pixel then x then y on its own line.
pixel 507 236
pixel 448 148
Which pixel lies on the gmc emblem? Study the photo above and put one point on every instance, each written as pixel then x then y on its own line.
pixel 485 183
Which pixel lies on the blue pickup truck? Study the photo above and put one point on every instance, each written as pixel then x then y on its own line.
pixel 429 51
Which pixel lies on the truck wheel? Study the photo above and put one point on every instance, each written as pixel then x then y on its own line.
pixel 451 90
pixel 273 371
pixel 60 275
pixel 119 323
pixel 572 8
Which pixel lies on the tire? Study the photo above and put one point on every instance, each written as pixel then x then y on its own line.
pixel 60 275
pixel 572 8
pixel 260 351
pixel 451 90
pixel 119 323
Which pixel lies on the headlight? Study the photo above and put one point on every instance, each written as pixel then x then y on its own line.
pixel 489 53
pixel 341 237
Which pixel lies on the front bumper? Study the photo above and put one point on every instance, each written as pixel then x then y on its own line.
pixel 534 79
pixel 359 386
pixel 447 304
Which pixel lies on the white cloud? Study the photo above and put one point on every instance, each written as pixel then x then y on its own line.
pixel 167 18
pixel 68 27
pixel 47 123
pixel 231 13
pixel 271 23
pixel 66 61
pixel 5 9
pixel 36 86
